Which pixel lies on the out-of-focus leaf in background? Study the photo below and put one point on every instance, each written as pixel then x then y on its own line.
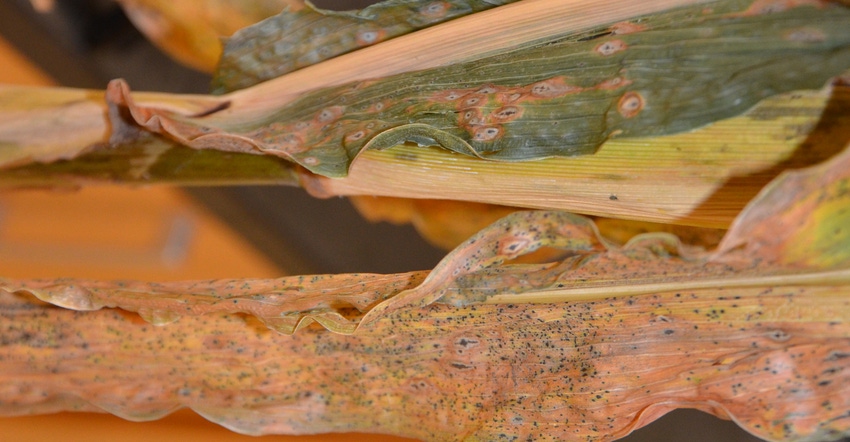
pixel 191 31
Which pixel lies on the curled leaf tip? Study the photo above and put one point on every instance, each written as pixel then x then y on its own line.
pixel 800 219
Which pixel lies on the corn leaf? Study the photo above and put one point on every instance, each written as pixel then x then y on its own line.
pixel 650 179
pixel 592 346
pixel 447 224
pixel 41 129
pixel 303 35
pixel 588 340
pixel 704 177
pixel 658 74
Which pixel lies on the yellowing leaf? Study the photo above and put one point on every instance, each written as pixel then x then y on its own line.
pixel 29 119
pixel 801 219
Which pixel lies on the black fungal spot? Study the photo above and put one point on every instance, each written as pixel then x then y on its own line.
pixel 779 335
pixel 837 355
pixel 506 113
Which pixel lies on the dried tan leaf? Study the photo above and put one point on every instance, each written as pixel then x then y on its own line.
pixel 593 346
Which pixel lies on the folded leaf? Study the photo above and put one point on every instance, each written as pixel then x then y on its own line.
pixel 643 178
pixel 42 128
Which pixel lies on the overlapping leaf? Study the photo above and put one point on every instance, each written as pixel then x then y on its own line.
pixel 593 346
pixel 795 236
pixel 658 74
pixel 652 179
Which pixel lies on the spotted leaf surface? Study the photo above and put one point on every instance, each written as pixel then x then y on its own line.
pixel 302 36
pixel 786 230
pixel 589 347
pixel 773 359
pixel 652 75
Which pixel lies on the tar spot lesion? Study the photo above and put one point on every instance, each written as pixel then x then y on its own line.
pixel 487 133
pixel 764 7
pixel 610 47
pixel 470 117
pixel 365 38
pixel 357 135
pixel 435 9
pixel 630 104
pixel 330 114
pixel 507 113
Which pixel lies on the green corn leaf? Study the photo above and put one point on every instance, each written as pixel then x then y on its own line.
pixel 657 74
pixel 299 37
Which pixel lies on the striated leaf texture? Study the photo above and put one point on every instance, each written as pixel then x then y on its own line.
pixel 590 347
pixel 795 228
pixel 303 35
pixel 658 74
pixel 636 178
pixel 447 224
